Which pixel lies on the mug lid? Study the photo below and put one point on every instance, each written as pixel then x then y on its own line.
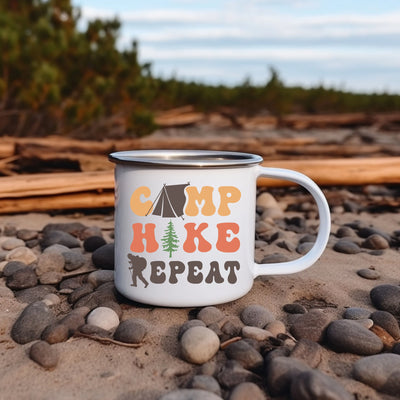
pixel 185 158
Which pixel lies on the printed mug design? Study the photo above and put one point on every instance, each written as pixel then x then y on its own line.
pixel 177 202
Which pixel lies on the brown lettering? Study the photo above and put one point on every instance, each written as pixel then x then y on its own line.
pixel 231 266
pixel 194 276
pixel 214 273
pixel 177 267
pixel 156 275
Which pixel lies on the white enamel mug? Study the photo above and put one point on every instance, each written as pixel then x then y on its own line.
pixel 185 225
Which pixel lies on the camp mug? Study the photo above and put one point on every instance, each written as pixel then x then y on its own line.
pixel 185 223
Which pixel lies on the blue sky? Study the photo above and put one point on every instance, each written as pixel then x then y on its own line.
pixel 350 45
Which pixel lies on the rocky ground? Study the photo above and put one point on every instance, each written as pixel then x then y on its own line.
pixel 331 331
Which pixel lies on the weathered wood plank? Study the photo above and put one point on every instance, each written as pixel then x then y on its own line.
pixel 80 190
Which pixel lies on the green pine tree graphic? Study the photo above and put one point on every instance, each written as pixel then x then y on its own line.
pixel 170 239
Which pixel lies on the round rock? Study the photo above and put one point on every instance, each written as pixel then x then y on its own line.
pixel 80 292
pixel 256 315
pixel 50 262
pixel 280 373
pixel 351 337
pixel 73 260
pixel 75 319
pixel 252 332
pixel 310 326
pixel 276 327
pixel 294 308
pixel 387 298
pixel 51 299
pixel 103 257
pixel 74 228
pixel 27 234
pixel 345 231
pixel 386 321
pixel 132 330
pixel 97 278
pixel 104 318
pixel 31 322
pixel 23 254
pixel 346 246
pixel 199 344
pixel 12 266
pixel 12 243
pixel 311 385
pixel 44 354
pixel 92 243
pixel 380 371
pixel 59 237
pixel 247 391
pixel 375 242
pixel 102 295
pixel 35 293
pixel 305 247
pixel 232 373
pixel 272 213
pixel 245 354
pixel 308 351
pixel 22 279
pixel 233 326
pixel 368 273
pixel 266 200
pixel 210 315
pixel 10 229
pixel 189 324
pixel 89 232
pixel 51 278
pixel 356 313
pixel 56 248
pixel 55 333
pixel 205 382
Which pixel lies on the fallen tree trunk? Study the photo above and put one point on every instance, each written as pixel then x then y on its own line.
pixel 85 190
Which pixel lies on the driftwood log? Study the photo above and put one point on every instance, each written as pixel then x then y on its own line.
pixel 63 154
pixel 95 189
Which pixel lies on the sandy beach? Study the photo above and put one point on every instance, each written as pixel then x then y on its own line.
pixel 88 369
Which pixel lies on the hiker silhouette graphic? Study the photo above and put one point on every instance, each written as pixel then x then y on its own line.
pixel 138 264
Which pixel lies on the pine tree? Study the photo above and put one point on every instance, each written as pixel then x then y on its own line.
pixel 170 239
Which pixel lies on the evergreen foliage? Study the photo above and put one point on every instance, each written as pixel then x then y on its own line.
pixel 55 78
pixel 170 239
pixel 62 79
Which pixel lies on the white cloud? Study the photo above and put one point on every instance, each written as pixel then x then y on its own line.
pixel 245 17
pixel 264 32
pixel 310 54
pixel 183 24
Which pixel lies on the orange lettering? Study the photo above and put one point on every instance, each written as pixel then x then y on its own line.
pixel 225 231
pixel 192 233
pixel 137 245
pixel 195 199
pixel 137 206
pixel 228 194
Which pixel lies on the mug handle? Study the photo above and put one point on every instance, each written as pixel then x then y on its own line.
pixel 324 225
